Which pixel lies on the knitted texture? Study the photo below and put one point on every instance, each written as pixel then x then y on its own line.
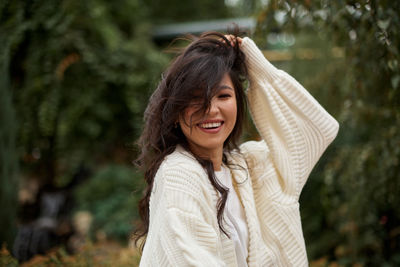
pixel 270 175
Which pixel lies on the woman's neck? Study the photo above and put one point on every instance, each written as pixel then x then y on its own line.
pixel 214 155
pixel 216 159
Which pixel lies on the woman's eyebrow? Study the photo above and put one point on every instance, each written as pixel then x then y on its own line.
pixel 224 86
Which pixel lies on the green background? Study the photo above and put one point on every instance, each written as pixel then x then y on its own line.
pixel 76 76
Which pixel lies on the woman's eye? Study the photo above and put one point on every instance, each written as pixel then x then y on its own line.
pixel 224 96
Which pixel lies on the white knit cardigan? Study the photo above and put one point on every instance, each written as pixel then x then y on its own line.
pixel 270 174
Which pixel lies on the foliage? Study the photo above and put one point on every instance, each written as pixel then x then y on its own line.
pixel 6 259
pixel 357 217
pixel 8 163
pixel 101 254
pixel 80 73
pixel 8 151
pixel 174 11
pixel 111 196
pixel 76 76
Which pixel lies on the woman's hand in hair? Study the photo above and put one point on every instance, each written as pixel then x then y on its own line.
pixel 231 38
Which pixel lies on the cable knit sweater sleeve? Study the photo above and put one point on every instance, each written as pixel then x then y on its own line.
pixel 295 127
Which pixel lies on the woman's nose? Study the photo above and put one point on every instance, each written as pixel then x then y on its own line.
pixel 214 108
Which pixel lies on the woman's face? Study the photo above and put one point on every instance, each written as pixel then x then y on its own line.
pixel 207 133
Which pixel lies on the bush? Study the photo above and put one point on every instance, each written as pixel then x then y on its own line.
pixel 351 203
pixel 111 195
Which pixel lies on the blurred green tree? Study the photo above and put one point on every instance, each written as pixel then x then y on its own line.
pixel 75 78
pixel 8 152
pixel 80 73
pixel 173 11
pixel 356 218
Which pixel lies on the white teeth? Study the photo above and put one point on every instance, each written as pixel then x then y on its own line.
pixel 210 125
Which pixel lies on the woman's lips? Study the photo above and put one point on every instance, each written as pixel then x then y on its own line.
pixel 210 126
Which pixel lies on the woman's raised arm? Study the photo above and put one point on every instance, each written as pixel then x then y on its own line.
pixel 295 127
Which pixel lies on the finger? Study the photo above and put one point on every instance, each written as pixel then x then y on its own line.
pixel 230 38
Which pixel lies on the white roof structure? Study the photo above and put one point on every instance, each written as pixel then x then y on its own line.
pixel 170 31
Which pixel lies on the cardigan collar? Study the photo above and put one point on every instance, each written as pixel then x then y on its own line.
pixel 244 185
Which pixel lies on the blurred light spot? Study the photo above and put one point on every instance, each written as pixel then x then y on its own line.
pixel 353 35
pixel 383 24
pixel 323 14
pixel 283 39
pixel 264 3
pixel 232 3
pixel 287 39
pixel 272 38
pixel 353 11
pixel 350 9
pixel 280 17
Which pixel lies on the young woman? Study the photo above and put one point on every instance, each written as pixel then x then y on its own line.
pixel 208 201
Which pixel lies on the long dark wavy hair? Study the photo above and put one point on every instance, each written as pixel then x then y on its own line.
pixel 198 68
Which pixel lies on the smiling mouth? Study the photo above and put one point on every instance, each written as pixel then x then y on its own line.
pixel 210 125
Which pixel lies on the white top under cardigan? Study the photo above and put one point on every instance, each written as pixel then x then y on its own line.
pixel 296 130
pixel 235 218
